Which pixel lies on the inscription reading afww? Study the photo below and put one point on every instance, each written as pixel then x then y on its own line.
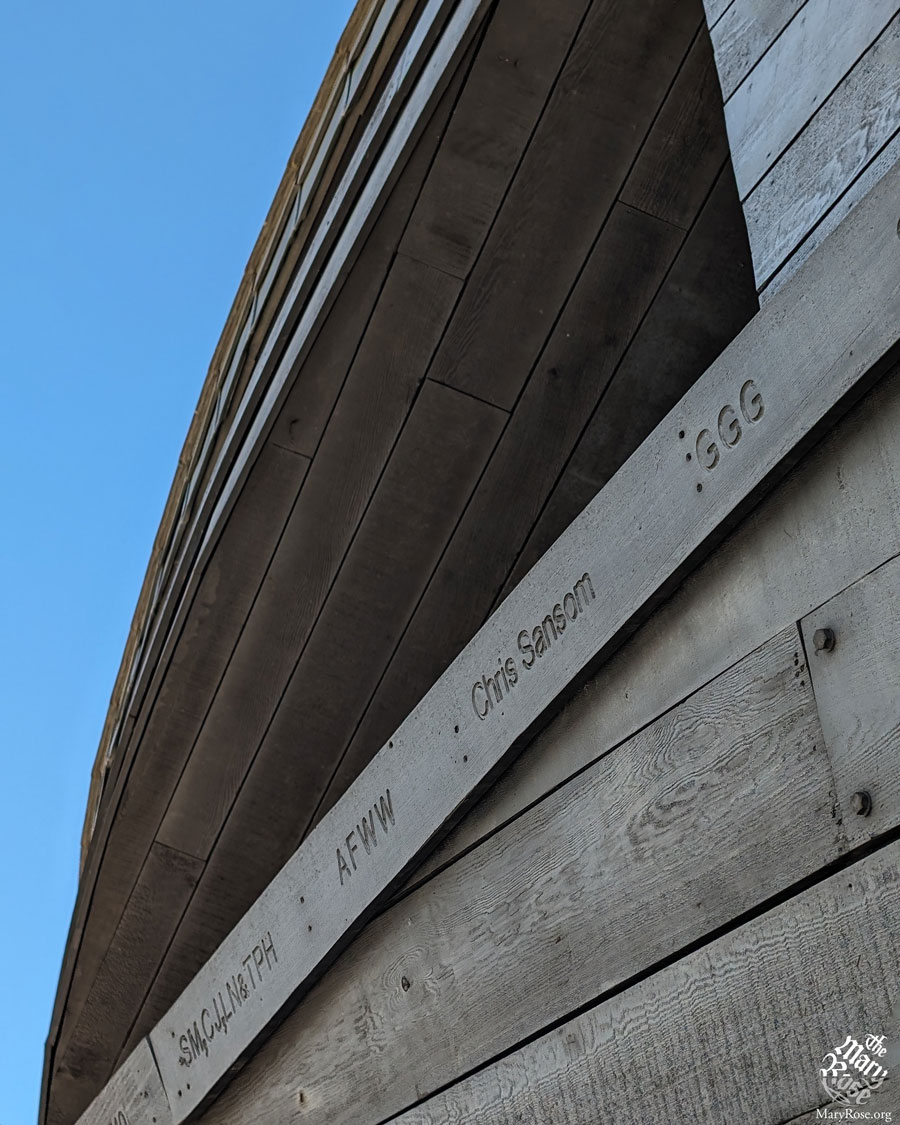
pixel 533 644
pixel 382 814
pixel 229 1000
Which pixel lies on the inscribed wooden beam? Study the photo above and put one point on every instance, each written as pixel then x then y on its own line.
pixel 727 438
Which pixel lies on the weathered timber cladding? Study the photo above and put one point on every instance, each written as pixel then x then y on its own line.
pixel 835 519
pixel 810 105
pixel 701 816
pixel 857 684
pixel 133 1096
pixel 733 1032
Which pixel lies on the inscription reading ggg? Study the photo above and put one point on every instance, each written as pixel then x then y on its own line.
pixel 729 427
pixel 229 1001
pixel 380 813
pixel 119 1119
pixel 532 644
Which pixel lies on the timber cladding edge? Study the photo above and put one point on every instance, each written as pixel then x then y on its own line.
pixel 464 730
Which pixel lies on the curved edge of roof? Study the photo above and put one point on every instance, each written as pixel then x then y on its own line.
pixel 364 30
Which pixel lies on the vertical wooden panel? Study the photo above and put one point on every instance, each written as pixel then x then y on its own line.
pixel 857 686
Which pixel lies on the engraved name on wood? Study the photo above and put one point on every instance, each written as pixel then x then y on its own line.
pixel 532 644
pixel 728 427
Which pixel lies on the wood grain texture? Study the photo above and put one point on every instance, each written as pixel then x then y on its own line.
pixel 133 1096
pixel 366 421
pixel 816 50
pixel 861 115
pixel 715 9
pixel 427 482
pixel 620 281
pixel 707 299
pixel 685 148
pixel 311 909
pixel 597 117
pixel 217 612
pixel 861 186
pixel 696 819
pixel 524 46
pixel 858 690
pixel 733 1032
pixel 821 530
pixel 743 35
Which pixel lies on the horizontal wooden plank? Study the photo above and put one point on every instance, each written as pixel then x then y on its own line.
pixel 814 53
pixel 457 739
pixel 133 1096
pixel 734 1032
pixel 849 130
pixel 857 686
pixel 821 530
pixel 744 34
pixel 700 817
pixel 882 163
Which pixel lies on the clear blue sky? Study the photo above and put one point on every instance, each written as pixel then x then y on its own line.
pixel 141 147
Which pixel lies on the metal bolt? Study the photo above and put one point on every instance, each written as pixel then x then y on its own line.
pixel 861 802
pixel 823 640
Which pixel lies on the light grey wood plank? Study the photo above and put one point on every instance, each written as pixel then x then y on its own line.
pixel 861 115
pixel 835 519
pixel 845 299
pixel 734 1032
pixel 796 76
pixel 698 818
pixel 133 1096
pixel 744 34
pixel 861 186
pixel 857 687
pixel 715 10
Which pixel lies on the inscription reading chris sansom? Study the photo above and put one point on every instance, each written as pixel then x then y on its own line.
pixel 533 644
pixel 229 1000
pixel 381 814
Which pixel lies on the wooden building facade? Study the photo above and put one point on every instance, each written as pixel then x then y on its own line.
pixel 509 729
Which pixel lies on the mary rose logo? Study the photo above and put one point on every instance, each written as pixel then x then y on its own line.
pixel 852 1072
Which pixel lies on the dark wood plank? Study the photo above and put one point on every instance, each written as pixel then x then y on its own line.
pixel 705 302
pixel 525 44
pixel 134 1095
pixel 429 478
pixel 599 113
pixel 734 1032
pixel 703 815
pixel 367 419
pixel 619 283
pixel 686 147
pixel 857 684
pixel 302 420
pixel 151 916
pixel 223 600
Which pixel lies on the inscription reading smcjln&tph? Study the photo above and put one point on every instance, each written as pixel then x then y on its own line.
pixel 532 644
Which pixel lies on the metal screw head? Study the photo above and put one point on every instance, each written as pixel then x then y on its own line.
pixel 861 802
pixel 823 640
